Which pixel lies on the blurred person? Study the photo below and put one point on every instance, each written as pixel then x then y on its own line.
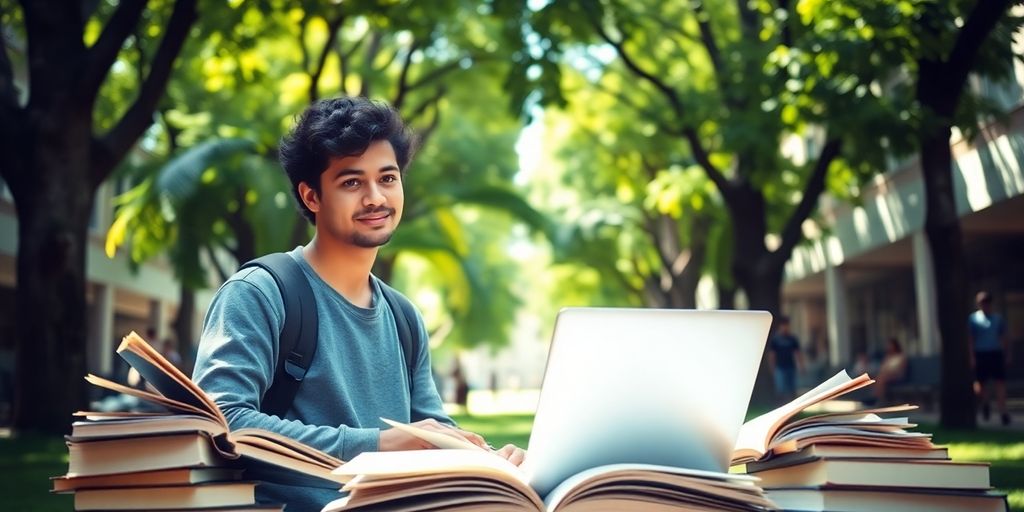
pixel 346 159
pixel 990 354
pixel 861 363
pixel 170 352
pixel 892 370
pixel 460 384
pixel 785 360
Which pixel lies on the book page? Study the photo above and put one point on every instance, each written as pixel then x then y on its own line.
pixel 426 462
pixel 437 439
pixel 649 479
pixel 410 469
pixel 164 376
pixel 143 394
pixel 142 425
pixel 756 434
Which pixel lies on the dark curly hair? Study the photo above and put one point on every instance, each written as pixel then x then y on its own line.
pixel 335 128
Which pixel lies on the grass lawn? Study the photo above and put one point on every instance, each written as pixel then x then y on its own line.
pixel 27 462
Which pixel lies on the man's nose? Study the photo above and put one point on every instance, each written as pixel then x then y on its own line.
pixel 374 195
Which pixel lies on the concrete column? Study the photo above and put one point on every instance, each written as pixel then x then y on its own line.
pixel 799 321
pixel 100 353
pixel 924 288
pixel 872 338
pixel 838 317
pixel 157 320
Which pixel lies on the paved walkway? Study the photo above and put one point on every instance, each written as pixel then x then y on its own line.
pixel 931 417
pixel 993 423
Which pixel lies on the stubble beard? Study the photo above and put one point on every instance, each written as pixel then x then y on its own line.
pixel 370 242
pixel 374 240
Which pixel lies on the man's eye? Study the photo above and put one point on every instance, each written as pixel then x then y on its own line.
pixel 389 178
pixel 350 183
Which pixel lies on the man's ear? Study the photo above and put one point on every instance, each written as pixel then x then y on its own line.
pixel 309 197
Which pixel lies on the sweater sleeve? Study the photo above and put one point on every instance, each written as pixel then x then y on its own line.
pixel 235 365
pixel 425 400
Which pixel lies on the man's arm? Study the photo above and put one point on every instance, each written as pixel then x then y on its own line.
pixel 425 402
pixel 236 363
pixel 970 340
pixel 1004 340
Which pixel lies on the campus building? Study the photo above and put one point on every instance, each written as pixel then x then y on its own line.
pixel 119 299
pixel 870 277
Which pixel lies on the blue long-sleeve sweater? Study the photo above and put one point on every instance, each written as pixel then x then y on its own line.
pixel 357 376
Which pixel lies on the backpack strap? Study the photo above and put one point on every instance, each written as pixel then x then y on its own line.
pixel 298 335
pixel 408 329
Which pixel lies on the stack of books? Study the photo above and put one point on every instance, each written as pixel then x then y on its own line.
pixel 857 461
pixel 167 465
pixel 184 459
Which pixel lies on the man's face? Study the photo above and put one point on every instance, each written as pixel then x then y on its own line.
pixel 361 197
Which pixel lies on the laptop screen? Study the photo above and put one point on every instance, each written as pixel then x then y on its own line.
pixel 651 386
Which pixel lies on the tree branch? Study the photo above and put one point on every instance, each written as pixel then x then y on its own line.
pixel 112 147
pixel 448 67
pixel 302 40
pixel 212 256
pixel 620 97
pixel 104 52
pixel 748 21
pixel 707 38
pixel 669 93
pixel 422 108
pixel 787 26
pixel 403 76
pixel 333 28
pixel 371 55
pixel 343 59
pixel 970 39
pixel 426 133
pixel 696 147
pixel 390 60
pixel 724 186
pixel 793 232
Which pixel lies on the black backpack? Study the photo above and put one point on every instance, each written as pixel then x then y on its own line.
pixel 300 331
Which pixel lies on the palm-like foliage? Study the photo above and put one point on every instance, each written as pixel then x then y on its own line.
pixel 215 195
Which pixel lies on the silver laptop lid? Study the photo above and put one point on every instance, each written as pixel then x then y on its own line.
pixel 652 386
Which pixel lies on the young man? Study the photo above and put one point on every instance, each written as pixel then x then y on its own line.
pixel 345 158
pixel 990 353
pixel 785 360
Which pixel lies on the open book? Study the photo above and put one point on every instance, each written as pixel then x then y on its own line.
pixel 466 479
pixel 193 411
pixel 774 433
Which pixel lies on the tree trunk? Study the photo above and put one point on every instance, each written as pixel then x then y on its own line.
pixel 942 226
pixel 684 286
pixel 726 296
pixel 53 219
pixel 184 327
pixel 940 85
pixel 757 271
pixel 53 164
pixel 763 286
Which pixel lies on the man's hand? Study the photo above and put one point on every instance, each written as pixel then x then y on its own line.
pixel 513 453
pixel 393 439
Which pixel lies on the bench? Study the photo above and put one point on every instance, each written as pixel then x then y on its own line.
pixel 920 386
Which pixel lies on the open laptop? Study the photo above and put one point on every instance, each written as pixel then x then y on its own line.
pixel 652 386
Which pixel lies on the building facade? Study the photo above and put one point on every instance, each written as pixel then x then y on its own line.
pixel 870 277
pixel 119 299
